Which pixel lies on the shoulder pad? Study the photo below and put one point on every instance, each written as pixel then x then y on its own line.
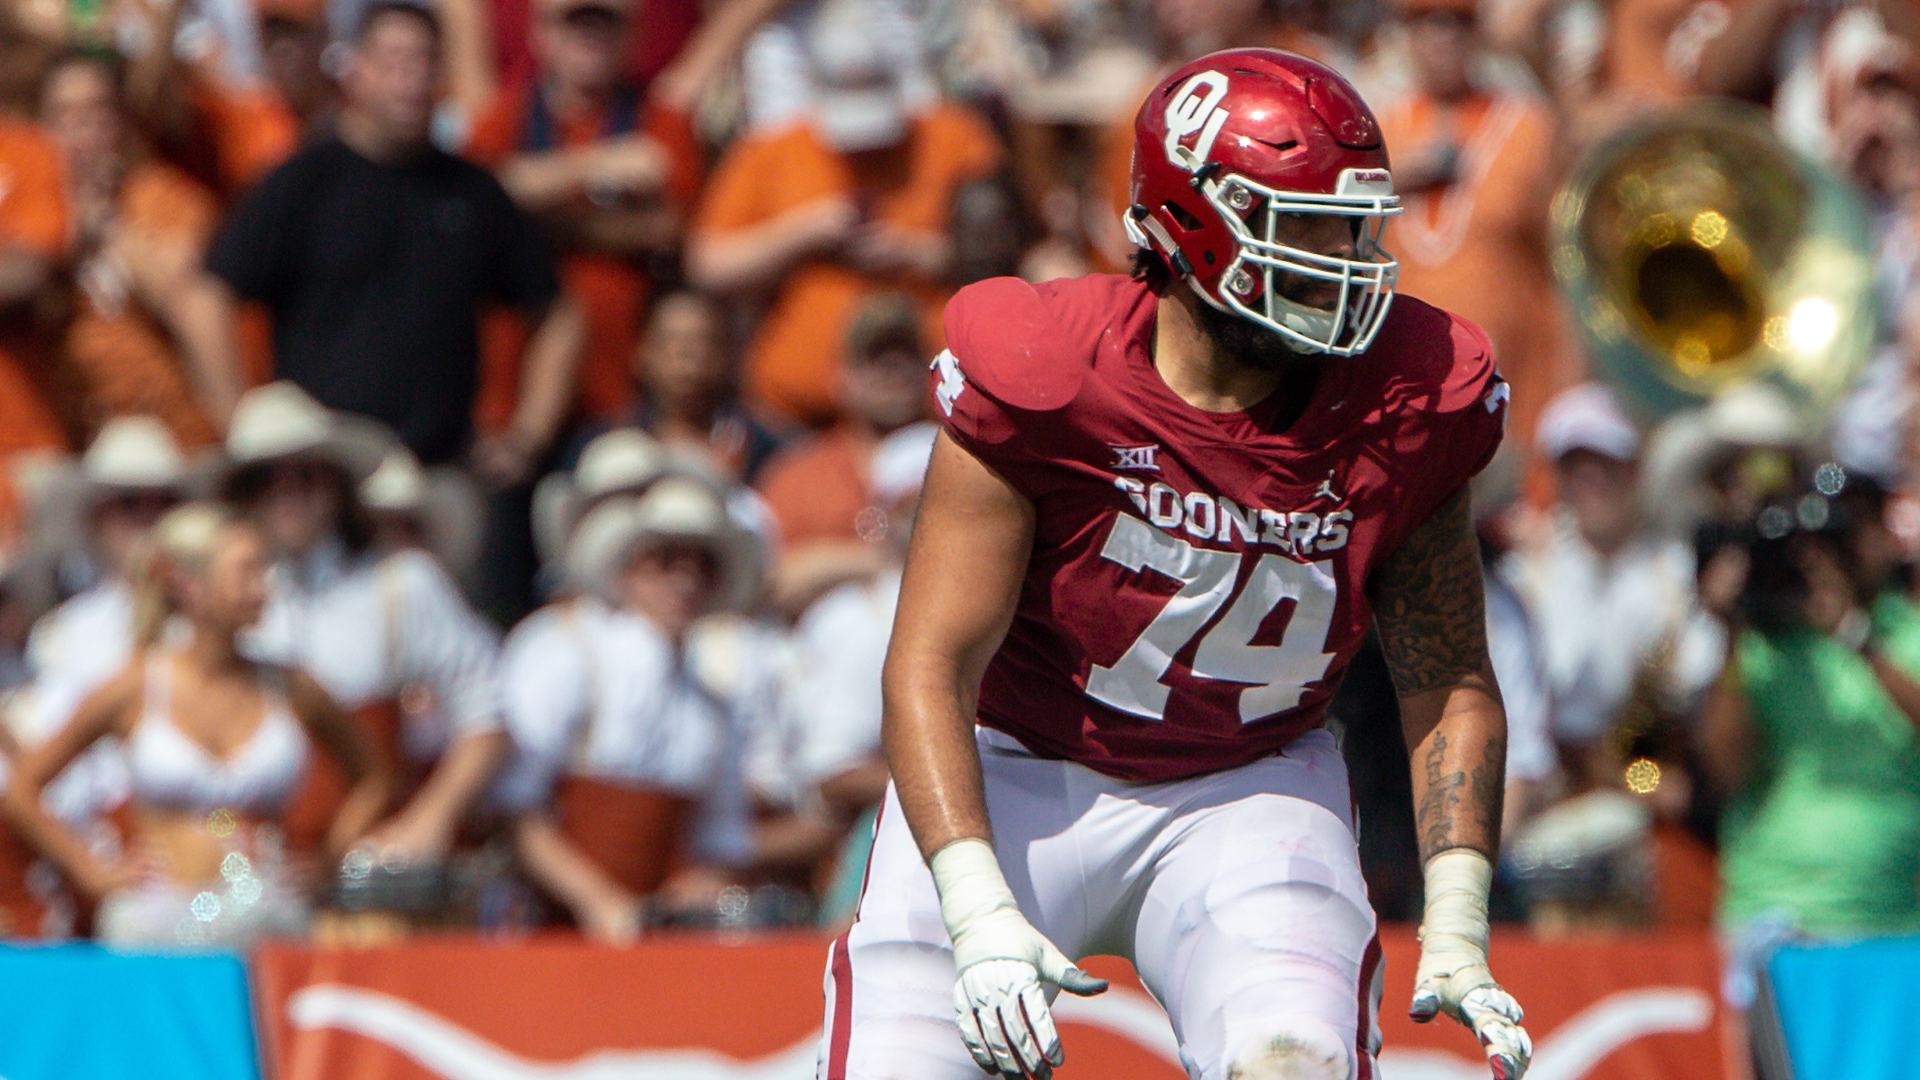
pixel 1030 347
pixel 1440 362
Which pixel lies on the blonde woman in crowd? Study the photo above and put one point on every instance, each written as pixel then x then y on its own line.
pixel 620 745
pixel 215 746
pixel 131 475
pixel 387 634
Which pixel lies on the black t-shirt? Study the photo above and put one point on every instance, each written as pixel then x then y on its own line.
pixel 376 274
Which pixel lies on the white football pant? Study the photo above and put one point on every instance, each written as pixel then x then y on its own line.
pixel 1236 895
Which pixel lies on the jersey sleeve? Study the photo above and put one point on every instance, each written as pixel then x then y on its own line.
pixel 997 382
pixel 1461 417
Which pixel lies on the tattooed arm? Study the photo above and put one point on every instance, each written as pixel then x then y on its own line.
pixel 1431 615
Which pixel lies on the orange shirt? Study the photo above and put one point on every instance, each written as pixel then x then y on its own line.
pixel 33 215
pixel 611 290
pixel 117 360
pixel 817 489
pixel 793 363
pixel 1478 247
pixel 252 131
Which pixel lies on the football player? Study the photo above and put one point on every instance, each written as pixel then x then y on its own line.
pixel 1162 513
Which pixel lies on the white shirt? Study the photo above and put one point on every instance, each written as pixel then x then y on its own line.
pixel 366 627
pixel 1596 619
pixel 73 650
pixel 592 691
pixel 830 715
pixel 1523 684
pixel 83 642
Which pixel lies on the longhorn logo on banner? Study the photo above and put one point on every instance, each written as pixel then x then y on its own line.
pixel 1625 1009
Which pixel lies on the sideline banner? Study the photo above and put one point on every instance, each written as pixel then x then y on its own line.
pixel 1628 1008
pixel 80 1012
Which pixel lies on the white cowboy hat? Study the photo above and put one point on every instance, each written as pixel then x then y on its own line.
pixel 444 500
pixel 134 453
pixel 280 420
pixel 622 461
pixel 131 455
pixel 673 509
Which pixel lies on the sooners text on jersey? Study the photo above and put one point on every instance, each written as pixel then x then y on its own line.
pixel 1198 580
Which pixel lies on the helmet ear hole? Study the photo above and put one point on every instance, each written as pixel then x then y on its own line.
pixel 1209 256
pixel 1181 215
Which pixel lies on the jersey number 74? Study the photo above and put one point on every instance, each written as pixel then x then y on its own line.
pixel 1275 676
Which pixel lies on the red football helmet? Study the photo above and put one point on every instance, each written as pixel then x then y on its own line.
pixel 1230 142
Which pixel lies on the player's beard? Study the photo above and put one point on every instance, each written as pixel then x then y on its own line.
pixel 1250 343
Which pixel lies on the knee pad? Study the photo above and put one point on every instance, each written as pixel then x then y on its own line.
pixel 1294 1048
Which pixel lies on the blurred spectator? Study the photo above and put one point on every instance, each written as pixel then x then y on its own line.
pixel 139 340
pixel 607 170
pixel 623 461
pixel 131 475
pixel 685 368
pixel 825 751
pixel 819 490
pixel 1513 645
pixel 388 636
pixel 993 237
pixel 438 512
pixel 33 240
pixel 617 739
pixel 1811 731
pixel 1871 96
pixel 818 214
pixel 375 250
pixel 291 48
pixel 1609 598
pixel 213 116
pixel 674 52
pixel 786 77
pixel 1475 169
pixel 1604 64
pixel 215 747
pixel 1621 636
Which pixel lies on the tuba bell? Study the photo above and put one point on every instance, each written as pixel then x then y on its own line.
pixel 1698 253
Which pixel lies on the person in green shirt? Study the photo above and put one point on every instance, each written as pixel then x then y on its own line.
pixel 1811 732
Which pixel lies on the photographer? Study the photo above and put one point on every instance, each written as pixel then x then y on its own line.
pixel 1805 733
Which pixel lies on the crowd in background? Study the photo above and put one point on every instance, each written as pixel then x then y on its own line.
pixel 460 455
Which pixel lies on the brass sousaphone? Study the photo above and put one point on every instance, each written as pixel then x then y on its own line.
pixel 1697 253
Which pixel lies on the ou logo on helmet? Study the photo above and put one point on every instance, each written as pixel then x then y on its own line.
pixel 1196 108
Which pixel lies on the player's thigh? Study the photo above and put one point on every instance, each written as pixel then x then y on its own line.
pixel 889 983
pixel 890 980
pixel 1256 932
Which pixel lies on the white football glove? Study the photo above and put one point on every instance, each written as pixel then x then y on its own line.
pixel 1005 966
pixel 1453 977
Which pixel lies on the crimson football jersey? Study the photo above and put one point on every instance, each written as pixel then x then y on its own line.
pixel 1198 580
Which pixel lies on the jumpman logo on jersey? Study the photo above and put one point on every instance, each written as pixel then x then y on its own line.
pixel 1136 457
pixel 1325 490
